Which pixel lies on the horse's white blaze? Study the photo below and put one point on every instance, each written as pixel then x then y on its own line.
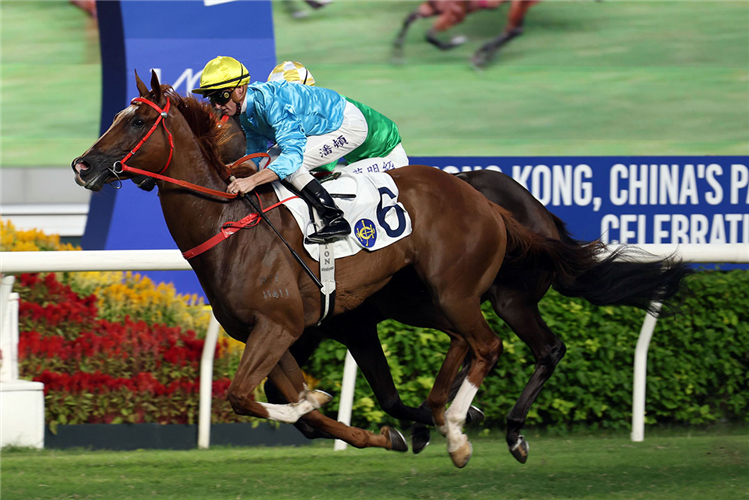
pixel 455 416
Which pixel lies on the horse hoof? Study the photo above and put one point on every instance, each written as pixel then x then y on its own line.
pixel 479 62
pixel 475 416
pixel 398 58
pixel 397 441
pixel 462 455
pixel 420 437
pixel 318 398
pixel 482 58
pixel 520 450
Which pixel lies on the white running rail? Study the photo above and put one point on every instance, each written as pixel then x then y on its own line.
pixel 171 260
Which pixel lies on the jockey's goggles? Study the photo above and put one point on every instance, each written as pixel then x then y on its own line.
pixel 220 97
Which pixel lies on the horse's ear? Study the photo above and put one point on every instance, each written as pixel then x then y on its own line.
pixel 156 87
pixel 141 86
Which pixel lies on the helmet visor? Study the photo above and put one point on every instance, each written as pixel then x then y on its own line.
pixel 219 97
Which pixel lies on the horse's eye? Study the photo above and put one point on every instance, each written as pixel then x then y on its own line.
pixel 138 123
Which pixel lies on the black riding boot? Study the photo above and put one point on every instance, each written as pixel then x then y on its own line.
pixel 334 226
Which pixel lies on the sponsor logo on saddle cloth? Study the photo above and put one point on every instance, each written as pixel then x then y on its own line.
pixel 370 204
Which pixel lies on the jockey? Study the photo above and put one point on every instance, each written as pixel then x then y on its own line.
pixel 377 154
pixel 294 72
pixel 312 126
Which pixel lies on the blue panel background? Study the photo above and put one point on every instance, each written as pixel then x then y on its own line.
pixel 712 193
pixel 176 38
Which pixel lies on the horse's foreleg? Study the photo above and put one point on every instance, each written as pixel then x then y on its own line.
pixel 455 41
pixel 289 380
pixel 453 14
pixel 266 345
pixel 514 28
pixel 548 349
pixel 410 19
pixel 301 350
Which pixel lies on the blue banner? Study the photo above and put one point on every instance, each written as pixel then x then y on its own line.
pixel 632 199
pixel 176 39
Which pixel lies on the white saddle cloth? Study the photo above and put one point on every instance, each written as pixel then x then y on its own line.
pixel 377 218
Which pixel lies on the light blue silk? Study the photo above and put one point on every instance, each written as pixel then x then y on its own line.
pixel 287 114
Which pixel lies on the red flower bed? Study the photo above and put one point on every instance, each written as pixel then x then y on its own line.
pixel 97 371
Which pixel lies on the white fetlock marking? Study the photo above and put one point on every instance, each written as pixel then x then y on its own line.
pixel 455 416
pixel 289 413
pixel 521 439
pixel 456 442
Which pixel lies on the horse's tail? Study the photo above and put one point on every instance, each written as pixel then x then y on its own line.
pixel 589 270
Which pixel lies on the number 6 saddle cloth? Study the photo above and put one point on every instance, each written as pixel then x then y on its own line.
pixel 369 203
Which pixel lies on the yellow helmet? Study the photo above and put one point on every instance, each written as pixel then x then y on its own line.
pixel 222 72
pixel 292 72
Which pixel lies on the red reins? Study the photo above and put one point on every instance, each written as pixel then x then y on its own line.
pixel 162 119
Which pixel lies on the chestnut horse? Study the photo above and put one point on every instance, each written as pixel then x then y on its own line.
pixel 450 13
pixel 514 296
pixel 160 132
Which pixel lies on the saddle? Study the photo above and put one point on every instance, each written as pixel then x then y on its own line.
pixel 370 205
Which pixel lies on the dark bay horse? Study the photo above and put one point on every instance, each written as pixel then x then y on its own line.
pixel 514 295
pixel 160 131
pixel 450 13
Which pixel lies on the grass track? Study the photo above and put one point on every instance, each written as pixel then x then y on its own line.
pixel 586 78
pixel 661 468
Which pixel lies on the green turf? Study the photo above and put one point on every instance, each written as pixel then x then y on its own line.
pixel 586 78
pixel 51 83
pixel 661 468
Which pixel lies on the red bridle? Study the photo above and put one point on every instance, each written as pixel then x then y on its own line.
pixel 161 119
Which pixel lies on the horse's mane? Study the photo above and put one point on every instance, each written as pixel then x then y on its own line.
pixel 203 122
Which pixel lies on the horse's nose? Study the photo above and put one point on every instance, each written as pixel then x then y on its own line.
pixel 78 165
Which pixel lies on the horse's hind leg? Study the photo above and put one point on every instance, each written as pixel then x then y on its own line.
pixel 476 333
pixel 420 435
pixel 521 314
pixel 514 28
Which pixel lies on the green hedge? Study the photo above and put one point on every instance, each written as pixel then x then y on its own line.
pixel 697 364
